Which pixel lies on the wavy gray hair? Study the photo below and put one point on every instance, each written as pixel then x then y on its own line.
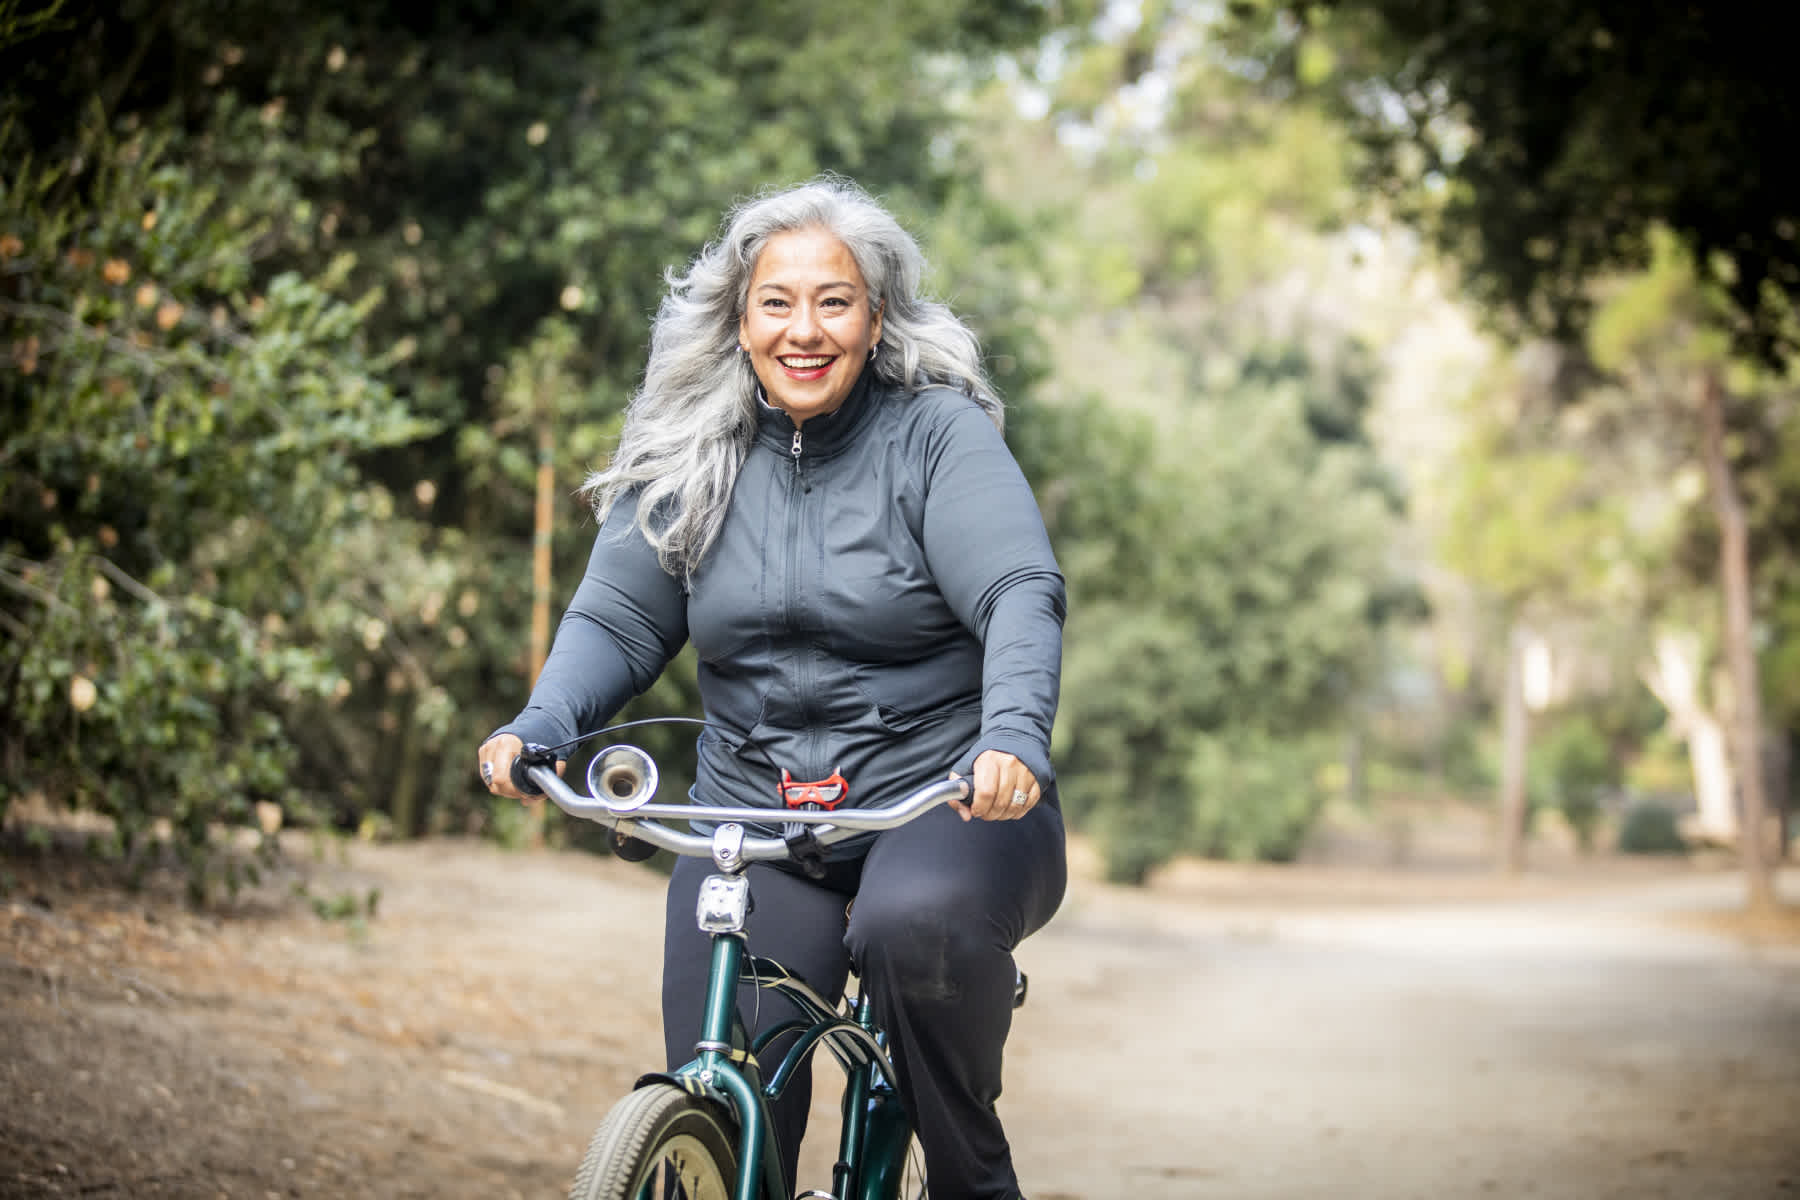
pixel 692 421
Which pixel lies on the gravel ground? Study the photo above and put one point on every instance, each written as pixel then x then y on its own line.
pixel 1608 1031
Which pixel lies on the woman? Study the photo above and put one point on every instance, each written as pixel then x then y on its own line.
pixel 811 486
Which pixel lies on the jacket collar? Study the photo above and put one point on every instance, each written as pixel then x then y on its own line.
pixel 825 434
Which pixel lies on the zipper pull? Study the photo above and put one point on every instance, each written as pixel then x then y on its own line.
pixel 796 449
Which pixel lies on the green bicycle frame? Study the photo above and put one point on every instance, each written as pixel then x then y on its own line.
pixel 876 1132
pixel 725 1068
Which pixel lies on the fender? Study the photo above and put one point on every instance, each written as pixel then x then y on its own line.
pixel 693 1085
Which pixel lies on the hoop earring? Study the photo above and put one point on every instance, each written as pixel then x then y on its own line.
pixel 872 350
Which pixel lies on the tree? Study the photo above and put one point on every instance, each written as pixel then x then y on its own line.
pixel 457 186
pixel 1557 139
pixel 1227 589
pixel 1547 147
pixel 1534 521
pixel 1659 330
pixel 183 507
pixel 1201 451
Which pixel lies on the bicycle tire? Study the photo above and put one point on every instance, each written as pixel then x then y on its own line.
pixel 659 1143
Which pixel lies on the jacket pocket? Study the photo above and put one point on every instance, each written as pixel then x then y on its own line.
pixel 898 720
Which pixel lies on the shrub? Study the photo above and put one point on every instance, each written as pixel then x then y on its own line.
pixel 1130 850
pixel 1255 795
pixel 181 481
pixel 1650 829
pixel 1574 771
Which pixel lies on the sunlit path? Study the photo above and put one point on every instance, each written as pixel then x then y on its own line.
pixel 1580 1048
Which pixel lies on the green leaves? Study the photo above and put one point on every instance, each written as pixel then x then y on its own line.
pixel 287 297
pixel 1226 577
pixel 1560 138
pixel 181 475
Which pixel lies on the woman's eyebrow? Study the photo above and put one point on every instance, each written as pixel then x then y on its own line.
pixel 770 284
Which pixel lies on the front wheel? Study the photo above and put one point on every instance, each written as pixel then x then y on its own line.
pixel 659 1143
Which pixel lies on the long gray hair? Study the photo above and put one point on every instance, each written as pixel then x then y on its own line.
pixel 692 421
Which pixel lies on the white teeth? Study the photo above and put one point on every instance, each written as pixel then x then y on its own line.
pixel 805 364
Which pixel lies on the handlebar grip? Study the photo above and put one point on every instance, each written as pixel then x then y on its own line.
pixel 533 755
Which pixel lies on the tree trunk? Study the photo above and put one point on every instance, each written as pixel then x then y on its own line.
pixel 1673 677
pixel 1740 652
pixel 1782 793
pixel 1514 735
pixel 543 535
pixel 1710 758
pixel 403 805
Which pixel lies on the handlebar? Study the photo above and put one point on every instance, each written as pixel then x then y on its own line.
pixel 628 776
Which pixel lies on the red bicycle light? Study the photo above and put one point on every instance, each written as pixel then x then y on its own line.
pixel 826 793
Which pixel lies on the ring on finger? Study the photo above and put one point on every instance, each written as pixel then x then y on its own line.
pixel 1020 798
pixel 487 773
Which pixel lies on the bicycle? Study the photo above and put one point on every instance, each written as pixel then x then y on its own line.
pixel 704 1131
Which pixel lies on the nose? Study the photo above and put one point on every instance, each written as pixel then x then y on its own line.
pixel 805 325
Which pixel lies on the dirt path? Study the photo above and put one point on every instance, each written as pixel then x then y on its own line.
pixel 1229 1033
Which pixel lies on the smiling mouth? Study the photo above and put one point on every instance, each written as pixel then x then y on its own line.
pixel 806 362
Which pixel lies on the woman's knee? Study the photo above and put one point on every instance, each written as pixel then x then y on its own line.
pixel 929 947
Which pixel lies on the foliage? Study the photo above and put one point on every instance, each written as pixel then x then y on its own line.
pixel 1202 455
pixel 1555 139
pixel 1225 577
pixel 437 235
pixel 1255 796
pixel 1530 524
pixel 1657 331
pixel 1551 149
pixel 293 294
pixel 1575 770
pixel 353 910
pixel 1624 169
pixel 180 479
pixel 1651 829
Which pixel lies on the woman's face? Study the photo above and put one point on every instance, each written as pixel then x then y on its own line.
pixel 807 326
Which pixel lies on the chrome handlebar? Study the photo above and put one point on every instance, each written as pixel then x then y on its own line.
pixel 623 780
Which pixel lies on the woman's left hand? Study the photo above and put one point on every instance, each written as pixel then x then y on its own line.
pixel 1004 789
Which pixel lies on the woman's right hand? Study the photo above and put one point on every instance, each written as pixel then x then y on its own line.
pixel 496 763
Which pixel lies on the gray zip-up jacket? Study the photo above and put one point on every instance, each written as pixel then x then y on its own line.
pixel 881 602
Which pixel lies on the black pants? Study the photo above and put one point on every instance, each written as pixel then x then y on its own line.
pixel 940 905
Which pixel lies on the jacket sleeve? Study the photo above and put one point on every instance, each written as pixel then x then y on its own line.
pixel 628 618
pixel 990 556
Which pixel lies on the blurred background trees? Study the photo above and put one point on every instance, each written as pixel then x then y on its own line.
pixel 1362 356
pixel 1551 150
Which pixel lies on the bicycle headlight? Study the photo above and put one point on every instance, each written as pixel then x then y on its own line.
pixel 724 903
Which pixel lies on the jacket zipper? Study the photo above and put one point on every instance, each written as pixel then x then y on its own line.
pixel 802 666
